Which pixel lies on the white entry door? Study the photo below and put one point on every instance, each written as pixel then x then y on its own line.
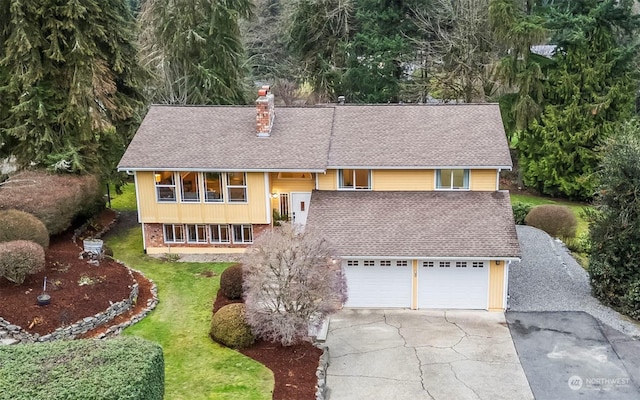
pixel 300 207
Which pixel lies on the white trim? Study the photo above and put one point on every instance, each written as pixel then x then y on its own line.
pixel 505 288
pixel 146 169
pixel 498 178
pixel 392 257
pixel 318 180
pixel 135 183
pixel 245 186
pixel 354 188
pixel 267 195
pixel 144 238
pixel 451 188
pixel 393 167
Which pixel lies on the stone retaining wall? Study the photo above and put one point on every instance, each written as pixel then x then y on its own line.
pixel 321 373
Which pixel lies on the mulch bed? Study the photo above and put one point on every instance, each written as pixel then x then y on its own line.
pixel 294 367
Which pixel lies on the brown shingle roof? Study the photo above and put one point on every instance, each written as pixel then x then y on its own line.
pixel 314 138
pixel 187 137
pixel 419 136
pixel 415 224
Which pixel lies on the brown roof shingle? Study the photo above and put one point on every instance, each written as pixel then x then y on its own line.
pixel 415 224
pixel 314 138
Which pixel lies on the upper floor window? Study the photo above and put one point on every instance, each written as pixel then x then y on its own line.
pixel 165 186
pixel 213 187
pixel 452 179
pixel 189 187
pixel 354 179
pixel 236 187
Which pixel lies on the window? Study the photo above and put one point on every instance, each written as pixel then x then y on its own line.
pixel 461 264
pixel 165 186
pixel 219 233
pixel 445 264
pixel 284 206
pixel 236 187
pixel 428 264
pixel 196 234
pixel 452 179
pixel 352 263
pixel 189 189
pixel 242 234
pixel 173 233
pixel 385 263
pixel 477 264
pixel 401 263
pixel 354 179
pixel 369 263
pixel 213 187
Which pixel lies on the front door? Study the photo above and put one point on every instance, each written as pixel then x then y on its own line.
pixel 300 207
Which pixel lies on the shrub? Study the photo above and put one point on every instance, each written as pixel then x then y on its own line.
pixel 20 258
pixel 231 282
pixel 292 282
pixel 229 327
pixel 20 225
pixel 520 211
pixel 124 368
pixel 579 244
pixel 56 199
pixel 557 221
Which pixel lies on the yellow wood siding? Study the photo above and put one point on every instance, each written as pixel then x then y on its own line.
pixel 328 181
pixel 483 179
pixel 291 185
pixel 403 179
pixel 212 213
pixel 496 286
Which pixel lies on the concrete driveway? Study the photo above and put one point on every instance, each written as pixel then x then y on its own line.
pixel 407 354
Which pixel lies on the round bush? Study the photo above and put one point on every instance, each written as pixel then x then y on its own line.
pixel 557 221
pixel 20 225
pixel 231 282
pixel 229 327
pixel 20 258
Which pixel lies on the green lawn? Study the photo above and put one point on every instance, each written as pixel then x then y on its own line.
pixel 583 226
pixel 195 366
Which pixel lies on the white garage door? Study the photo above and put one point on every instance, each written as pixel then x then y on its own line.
pixel 379 283
pixel 453 284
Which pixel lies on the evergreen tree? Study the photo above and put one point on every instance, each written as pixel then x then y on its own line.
pixel 615 227
pixel 69 82
pixel 195 49
pixel 591 86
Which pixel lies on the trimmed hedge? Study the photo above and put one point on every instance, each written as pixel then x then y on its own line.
pixel 231 282
pixel 55 199
pixel 229 327
pixel 125 368
pixel 557 221
pixel 20 258
pixel 20 225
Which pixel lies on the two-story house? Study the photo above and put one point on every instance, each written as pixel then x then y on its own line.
pixel 407 194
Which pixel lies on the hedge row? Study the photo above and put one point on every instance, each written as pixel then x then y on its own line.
pixel 56 199
pixel 125 368
pixel 20 225
pixel 20 258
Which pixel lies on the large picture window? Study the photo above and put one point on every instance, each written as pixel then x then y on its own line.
pixel 453 179
pixel 236 187
pixel 165 186
pixel 355 179
pixel 213 187
pixel 190 189
pixel 242 234
pixel 173 233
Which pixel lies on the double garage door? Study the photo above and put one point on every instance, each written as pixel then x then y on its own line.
pixel 440 284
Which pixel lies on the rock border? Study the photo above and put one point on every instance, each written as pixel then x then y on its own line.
pixel 321 372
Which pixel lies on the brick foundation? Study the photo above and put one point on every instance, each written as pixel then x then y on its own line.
pixel 154 237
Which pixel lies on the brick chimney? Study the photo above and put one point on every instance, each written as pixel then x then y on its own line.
pixel 265 112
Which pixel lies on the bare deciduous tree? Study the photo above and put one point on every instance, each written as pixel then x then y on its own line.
pixel 292 282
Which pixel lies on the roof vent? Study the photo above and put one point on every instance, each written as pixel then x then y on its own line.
pixel 265 112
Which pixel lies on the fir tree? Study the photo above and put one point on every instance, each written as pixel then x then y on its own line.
pixel 591 86
pixel 195 49
pixel 70 83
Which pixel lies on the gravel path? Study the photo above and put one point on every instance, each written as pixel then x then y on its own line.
pixel 549 279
